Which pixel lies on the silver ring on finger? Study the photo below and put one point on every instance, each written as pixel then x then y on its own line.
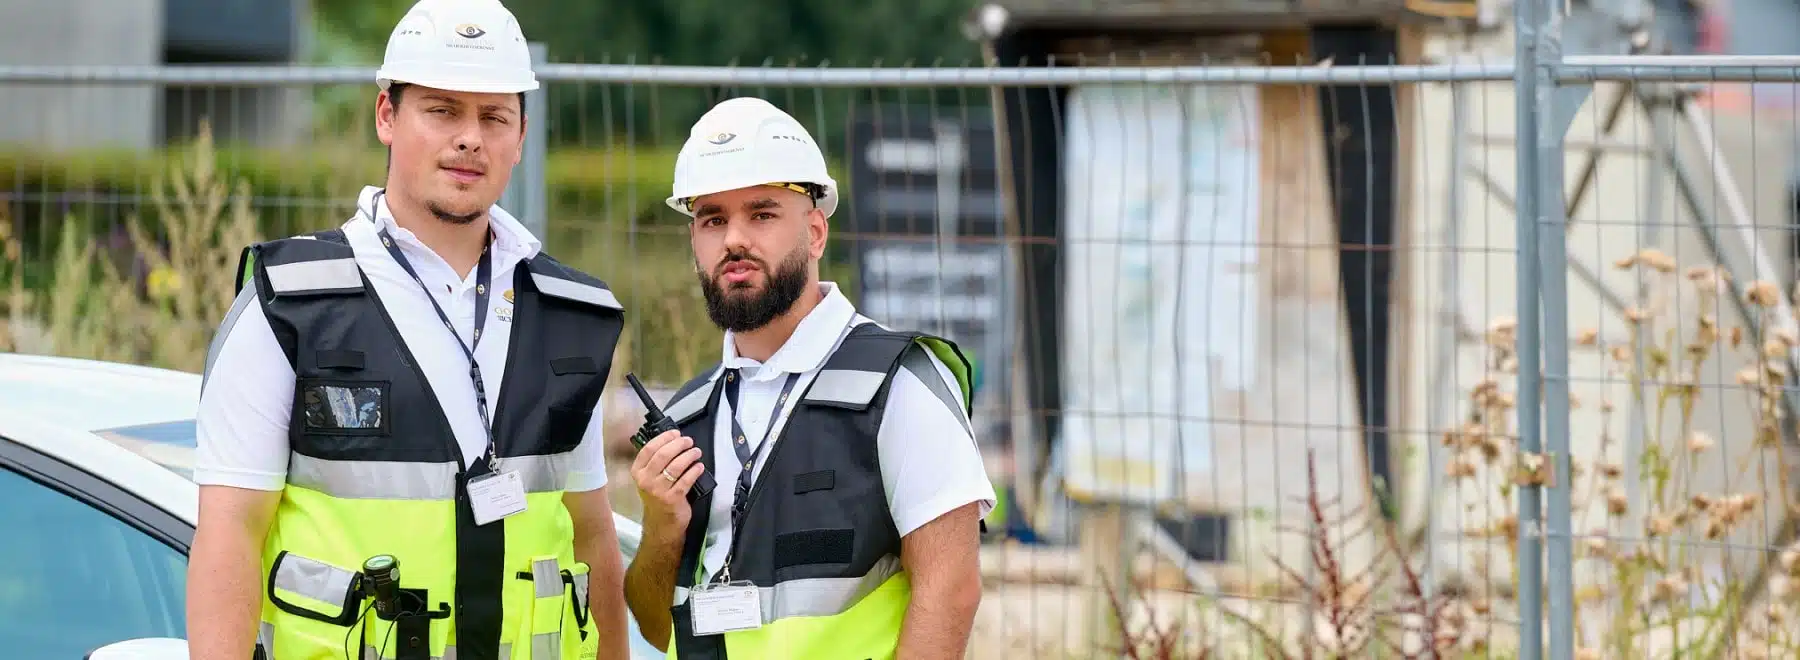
pixel 668 476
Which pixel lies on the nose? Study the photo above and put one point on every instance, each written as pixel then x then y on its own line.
pixel 468 140
pixel 737 237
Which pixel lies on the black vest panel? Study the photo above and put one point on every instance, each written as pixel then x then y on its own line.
pixel 336 333
pixel 818 508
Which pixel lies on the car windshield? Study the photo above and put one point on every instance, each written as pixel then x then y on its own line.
pixel 169 444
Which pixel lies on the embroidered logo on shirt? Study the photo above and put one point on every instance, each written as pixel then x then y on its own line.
pixel 505 313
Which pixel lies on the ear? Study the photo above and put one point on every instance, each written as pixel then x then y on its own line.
pixel 385 116
pixel 817 230
pixel 519 155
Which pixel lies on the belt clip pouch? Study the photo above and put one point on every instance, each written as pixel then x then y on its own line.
pixel 544 617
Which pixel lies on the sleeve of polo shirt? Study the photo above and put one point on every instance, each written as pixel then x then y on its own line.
pixel 588 471
pixel 245 403
pixel 930 464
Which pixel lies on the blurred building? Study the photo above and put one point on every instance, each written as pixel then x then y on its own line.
pixel 136 33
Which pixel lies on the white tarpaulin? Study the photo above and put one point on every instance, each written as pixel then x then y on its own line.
pixel 1160 295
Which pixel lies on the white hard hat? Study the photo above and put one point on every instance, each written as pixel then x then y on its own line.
pixel 458 45
pixel 745 142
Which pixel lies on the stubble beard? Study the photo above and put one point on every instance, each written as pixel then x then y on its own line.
pixel 437 210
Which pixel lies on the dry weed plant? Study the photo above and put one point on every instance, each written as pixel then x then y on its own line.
pixel 1346 615
pixel 191 242
pixel 1640 588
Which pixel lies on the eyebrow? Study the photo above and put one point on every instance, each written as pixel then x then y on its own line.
pixel 758 204
pixel 491 107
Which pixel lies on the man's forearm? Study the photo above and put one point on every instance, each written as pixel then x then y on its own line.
pixel 606 602
pixel 939 621
pixel 650 586
pixel 224 600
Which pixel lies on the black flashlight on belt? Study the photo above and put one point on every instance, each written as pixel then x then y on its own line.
pixel 383 573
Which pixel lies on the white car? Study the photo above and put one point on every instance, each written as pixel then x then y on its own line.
pixel 99 507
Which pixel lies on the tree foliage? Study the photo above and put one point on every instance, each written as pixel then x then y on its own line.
pixel 690 32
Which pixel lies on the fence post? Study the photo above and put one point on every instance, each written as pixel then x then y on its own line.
pixel 1526 84
pixel 1543 280
pixel 524 197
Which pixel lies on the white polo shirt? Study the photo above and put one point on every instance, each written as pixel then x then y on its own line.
pixel 930 464
pixel 248 393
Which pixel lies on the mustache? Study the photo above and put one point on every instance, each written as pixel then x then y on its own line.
pixel 470 164
pixel 734 258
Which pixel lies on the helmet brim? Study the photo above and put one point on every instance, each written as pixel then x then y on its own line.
pixel 827 202
pixel 510 87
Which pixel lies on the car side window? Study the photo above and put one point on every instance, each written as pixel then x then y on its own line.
pixel 74 578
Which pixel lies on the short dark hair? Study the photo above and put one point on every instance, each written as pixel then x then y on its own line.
pixel 397 90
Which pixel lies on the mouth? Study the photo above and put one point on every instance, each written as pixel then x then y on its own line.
pixel 464 174
pixel 739 271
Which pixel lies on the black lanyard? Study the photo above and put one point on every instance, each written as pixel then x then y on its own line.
pixel 740 502
pixel 484 272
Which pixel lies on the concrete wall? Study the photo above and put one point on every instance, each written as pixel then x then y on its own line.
pixel 85 32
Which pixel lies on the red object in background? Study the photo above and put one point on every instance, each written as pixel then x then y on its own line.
pixel 1713 28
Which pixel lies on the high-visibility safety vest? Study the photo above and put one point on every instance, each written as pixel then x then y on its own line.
pixel 818 540
pixel 396 483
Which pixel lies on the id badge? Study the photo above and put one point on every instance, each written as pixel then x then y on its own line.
pixel 496 495
pixel 728 607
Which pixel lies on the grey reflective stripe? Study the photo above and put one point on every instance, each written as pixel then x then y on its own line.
pixel 918 360
pixel 313 579
pixel 373 480
pixel 265 637
pixel 244 299
pixel 817 596
pixel 581 588
pixel 684 407
pixel 824 596
pixel 546 579
pixel 845 386
pixel 546 646
pixel 544 473
pixel 402 480
pixel 322 275
pixel 551 285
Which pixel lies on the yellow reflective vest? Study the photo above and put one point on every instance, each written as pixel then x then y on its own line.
pixel 817 538
pixel 375 470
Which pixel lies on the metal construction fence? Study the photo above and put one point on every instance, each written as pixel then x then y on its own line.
pixel 1176 315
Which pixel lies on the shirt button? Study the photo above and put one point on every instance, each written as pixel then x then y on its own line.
pixel 740 439
pixel 746 465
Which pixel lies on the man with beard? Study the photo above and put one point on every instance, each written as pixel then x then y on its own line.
pixel 415 389
pixel 846 518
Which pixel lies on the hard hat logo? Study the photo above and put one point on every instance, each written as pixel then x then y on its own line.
pixel 470 31
pixel 722 138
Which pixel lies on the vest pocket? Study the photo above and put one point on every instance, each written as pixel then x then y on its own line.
pixel 343 407
pixel 543 613
pixel 313 589
pixel 587 642
pixel 564 426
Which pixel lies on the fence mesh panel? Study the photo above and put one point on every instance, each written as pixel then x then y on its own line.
pixel 1238 378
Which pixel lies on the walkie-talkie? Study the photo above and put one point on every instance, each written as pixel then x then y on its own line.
pixel 655 424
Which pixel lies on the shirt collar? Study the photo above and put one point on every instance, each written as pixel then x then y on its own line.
pixel 511 239
pixel 813 340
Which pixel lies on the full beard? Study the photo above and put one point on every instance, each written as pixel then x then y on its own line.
pixel 748 310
